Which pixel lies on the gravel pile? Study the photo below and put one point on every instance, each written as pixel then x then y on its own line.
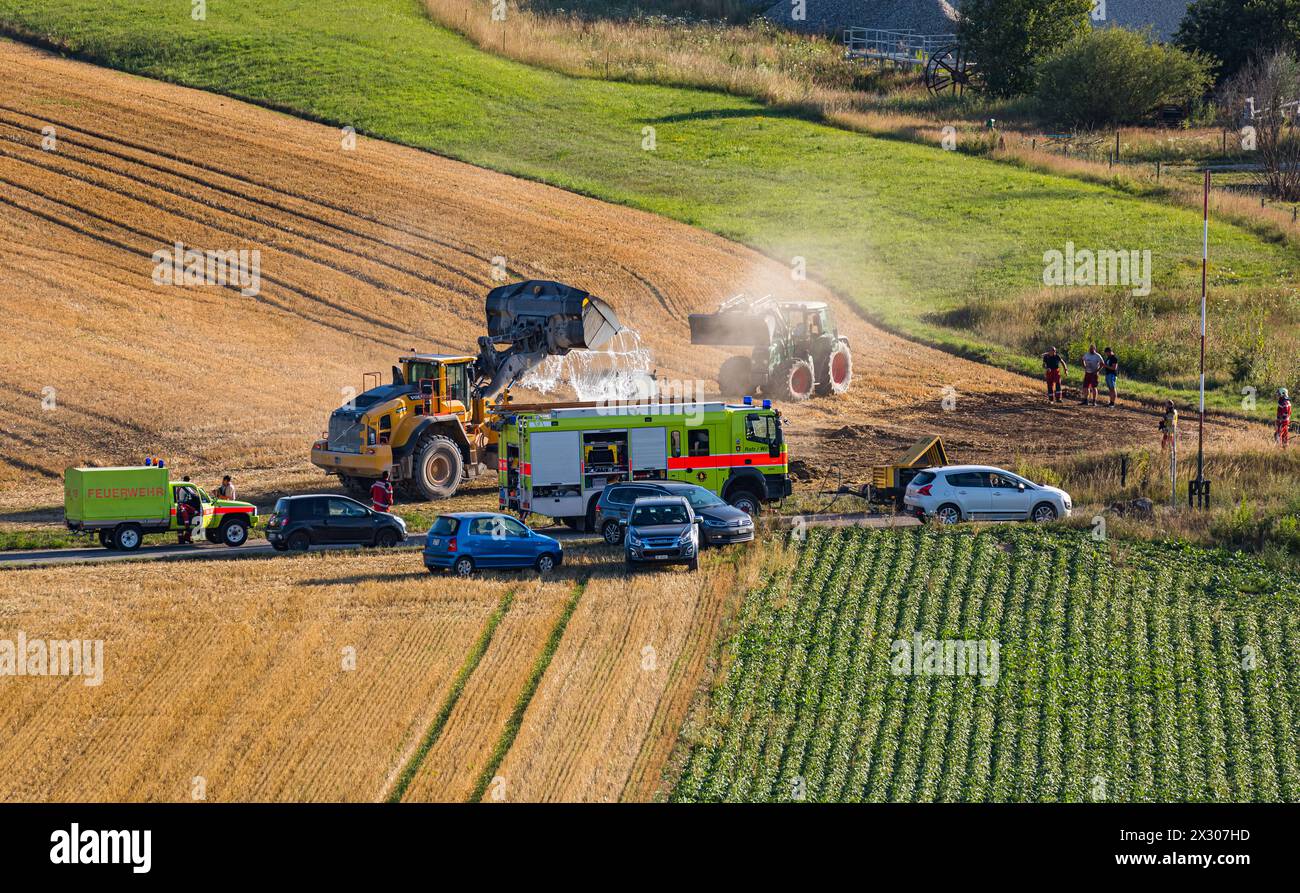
pixel 1163 16
pixel 921 16
pixel 940 16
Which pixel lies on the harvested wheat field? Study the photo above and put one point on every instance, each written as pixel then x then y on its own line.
pixel 364 253
pixel 233 673
pixel 508 687
pixel 604 718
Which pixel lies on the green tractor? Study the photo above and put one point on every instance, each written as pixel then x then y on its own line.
pixel 796 351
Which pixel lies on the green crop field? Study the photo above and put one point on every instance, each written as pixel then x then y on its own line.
pixel 1122 672
pixel 923 239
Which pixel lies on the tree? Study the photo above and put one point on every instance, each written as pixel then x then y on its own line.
pixel 1262 96
pixel 1231 31
pixel 1008 38
pixel 1117 76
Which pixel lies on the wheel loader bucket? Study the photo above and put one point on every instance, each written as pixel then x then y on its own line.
pixel 565 317
pixel 731 329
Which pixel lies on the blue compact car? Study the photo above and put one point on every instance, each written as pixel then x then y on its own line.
pixel 463 542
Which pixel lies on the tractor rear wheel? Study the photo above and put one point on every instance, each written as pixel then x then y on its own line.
pixel 794 380
pixel 438 467
pixel 837 375
pixel 736 377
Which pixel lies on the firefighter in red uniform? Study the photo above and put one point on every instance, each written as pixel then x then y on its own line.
pixel 1283 433
pixel 185 520
pixel 381 494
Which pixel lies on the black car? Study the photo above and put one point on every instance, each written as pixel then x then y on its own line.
pixel 300 522
pixel 721 523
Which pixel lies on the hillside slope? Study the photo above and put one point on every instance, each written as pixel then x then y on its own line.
pixel 910 232
pixel 364 253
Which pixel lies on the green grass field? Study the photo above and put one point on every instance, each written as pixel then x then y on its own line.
pixel 909 232
pixel 1123 672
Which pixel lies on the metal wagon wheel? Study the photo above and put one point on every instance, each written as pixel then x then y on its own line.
pixel 949 70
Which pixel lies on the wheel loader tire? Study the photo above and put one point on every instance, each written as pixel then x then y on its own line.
pixel 358 488
pixel 736 377
pixel 838 374
pixel 438 467
pixel 794 380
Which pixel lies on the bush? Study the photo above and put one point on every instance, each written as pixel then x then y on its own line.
pixel 1116 76
pixel 1008 38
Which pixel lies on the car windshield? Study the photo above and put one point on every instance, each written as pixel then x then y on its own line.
pixel 444 526
pixel 663 513
pixel 703 499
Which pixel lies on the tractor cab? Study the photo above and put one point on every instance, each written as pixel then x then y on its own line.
pixel 808 321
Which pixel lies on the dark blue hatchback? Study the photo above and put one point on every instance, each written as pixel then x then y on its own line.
pixel 463 542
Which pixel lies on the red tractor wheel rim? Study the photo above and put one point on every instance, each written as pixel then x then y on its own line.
pixel 839 368
pixel 801 380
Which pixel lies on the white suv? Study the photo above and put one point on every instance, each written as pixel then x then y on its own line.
pixel 983 493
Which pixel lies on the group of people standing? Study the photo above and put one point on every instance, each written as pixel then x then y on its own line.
pixel 1107 364
pixel 1094 366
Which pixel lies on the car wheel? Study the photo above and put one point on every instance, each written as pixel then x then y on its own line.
pixel 127 537
pixel 464 566
pixel 746 501
pixel 212 536
pixel 1043 513
pixel 299 541
pixel 106 539
pixel 948 514
pixel 234 533
pixel 612 533
pixel 386 538
pixel 545 563
pixel 693 564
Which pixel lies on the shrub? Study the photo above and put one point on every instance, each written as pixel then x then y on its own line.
pixel 1009 37
pixel 1116 76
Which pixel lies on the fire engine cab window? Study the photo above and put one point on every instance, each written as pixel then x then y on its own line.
pixel 697 442
pixel 760 428
pixel 457 383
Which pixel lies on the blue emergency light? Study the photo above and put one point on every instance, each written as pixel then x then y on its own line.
pixel 767 404
pixel 749 401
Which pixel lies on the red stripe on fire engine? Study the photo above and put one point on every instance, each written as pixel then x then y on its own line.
pixel 735 460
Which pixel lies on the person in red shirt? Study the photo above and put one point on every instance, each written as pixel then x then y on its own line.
pixel 1283 433
pixel 1053 367
pixel 381 494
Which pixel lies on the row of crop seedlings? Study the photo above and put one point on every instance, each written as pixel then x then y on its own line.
pixel 1122 673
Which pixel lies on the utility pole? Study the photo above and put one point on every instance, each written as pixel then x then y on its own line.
pixel 1198 491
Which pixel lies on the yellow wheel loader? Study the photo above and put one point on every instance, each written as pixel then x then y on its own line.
pixel 428 428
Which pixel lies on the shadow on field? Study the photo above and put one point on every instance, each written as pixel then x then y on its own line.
pixel 722 114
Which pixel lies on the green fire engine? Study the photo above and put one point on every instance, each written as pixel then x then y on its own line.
pixel 555 461
pixel 121 505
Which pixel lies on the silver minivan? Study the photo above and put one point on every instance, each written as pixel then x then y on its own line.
pixel 662 530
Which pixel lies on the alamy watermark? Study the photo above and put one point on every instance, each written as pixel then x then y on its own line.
pixel 179 265
pixel 53 657
pixel 1103 267
pixel 919 656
